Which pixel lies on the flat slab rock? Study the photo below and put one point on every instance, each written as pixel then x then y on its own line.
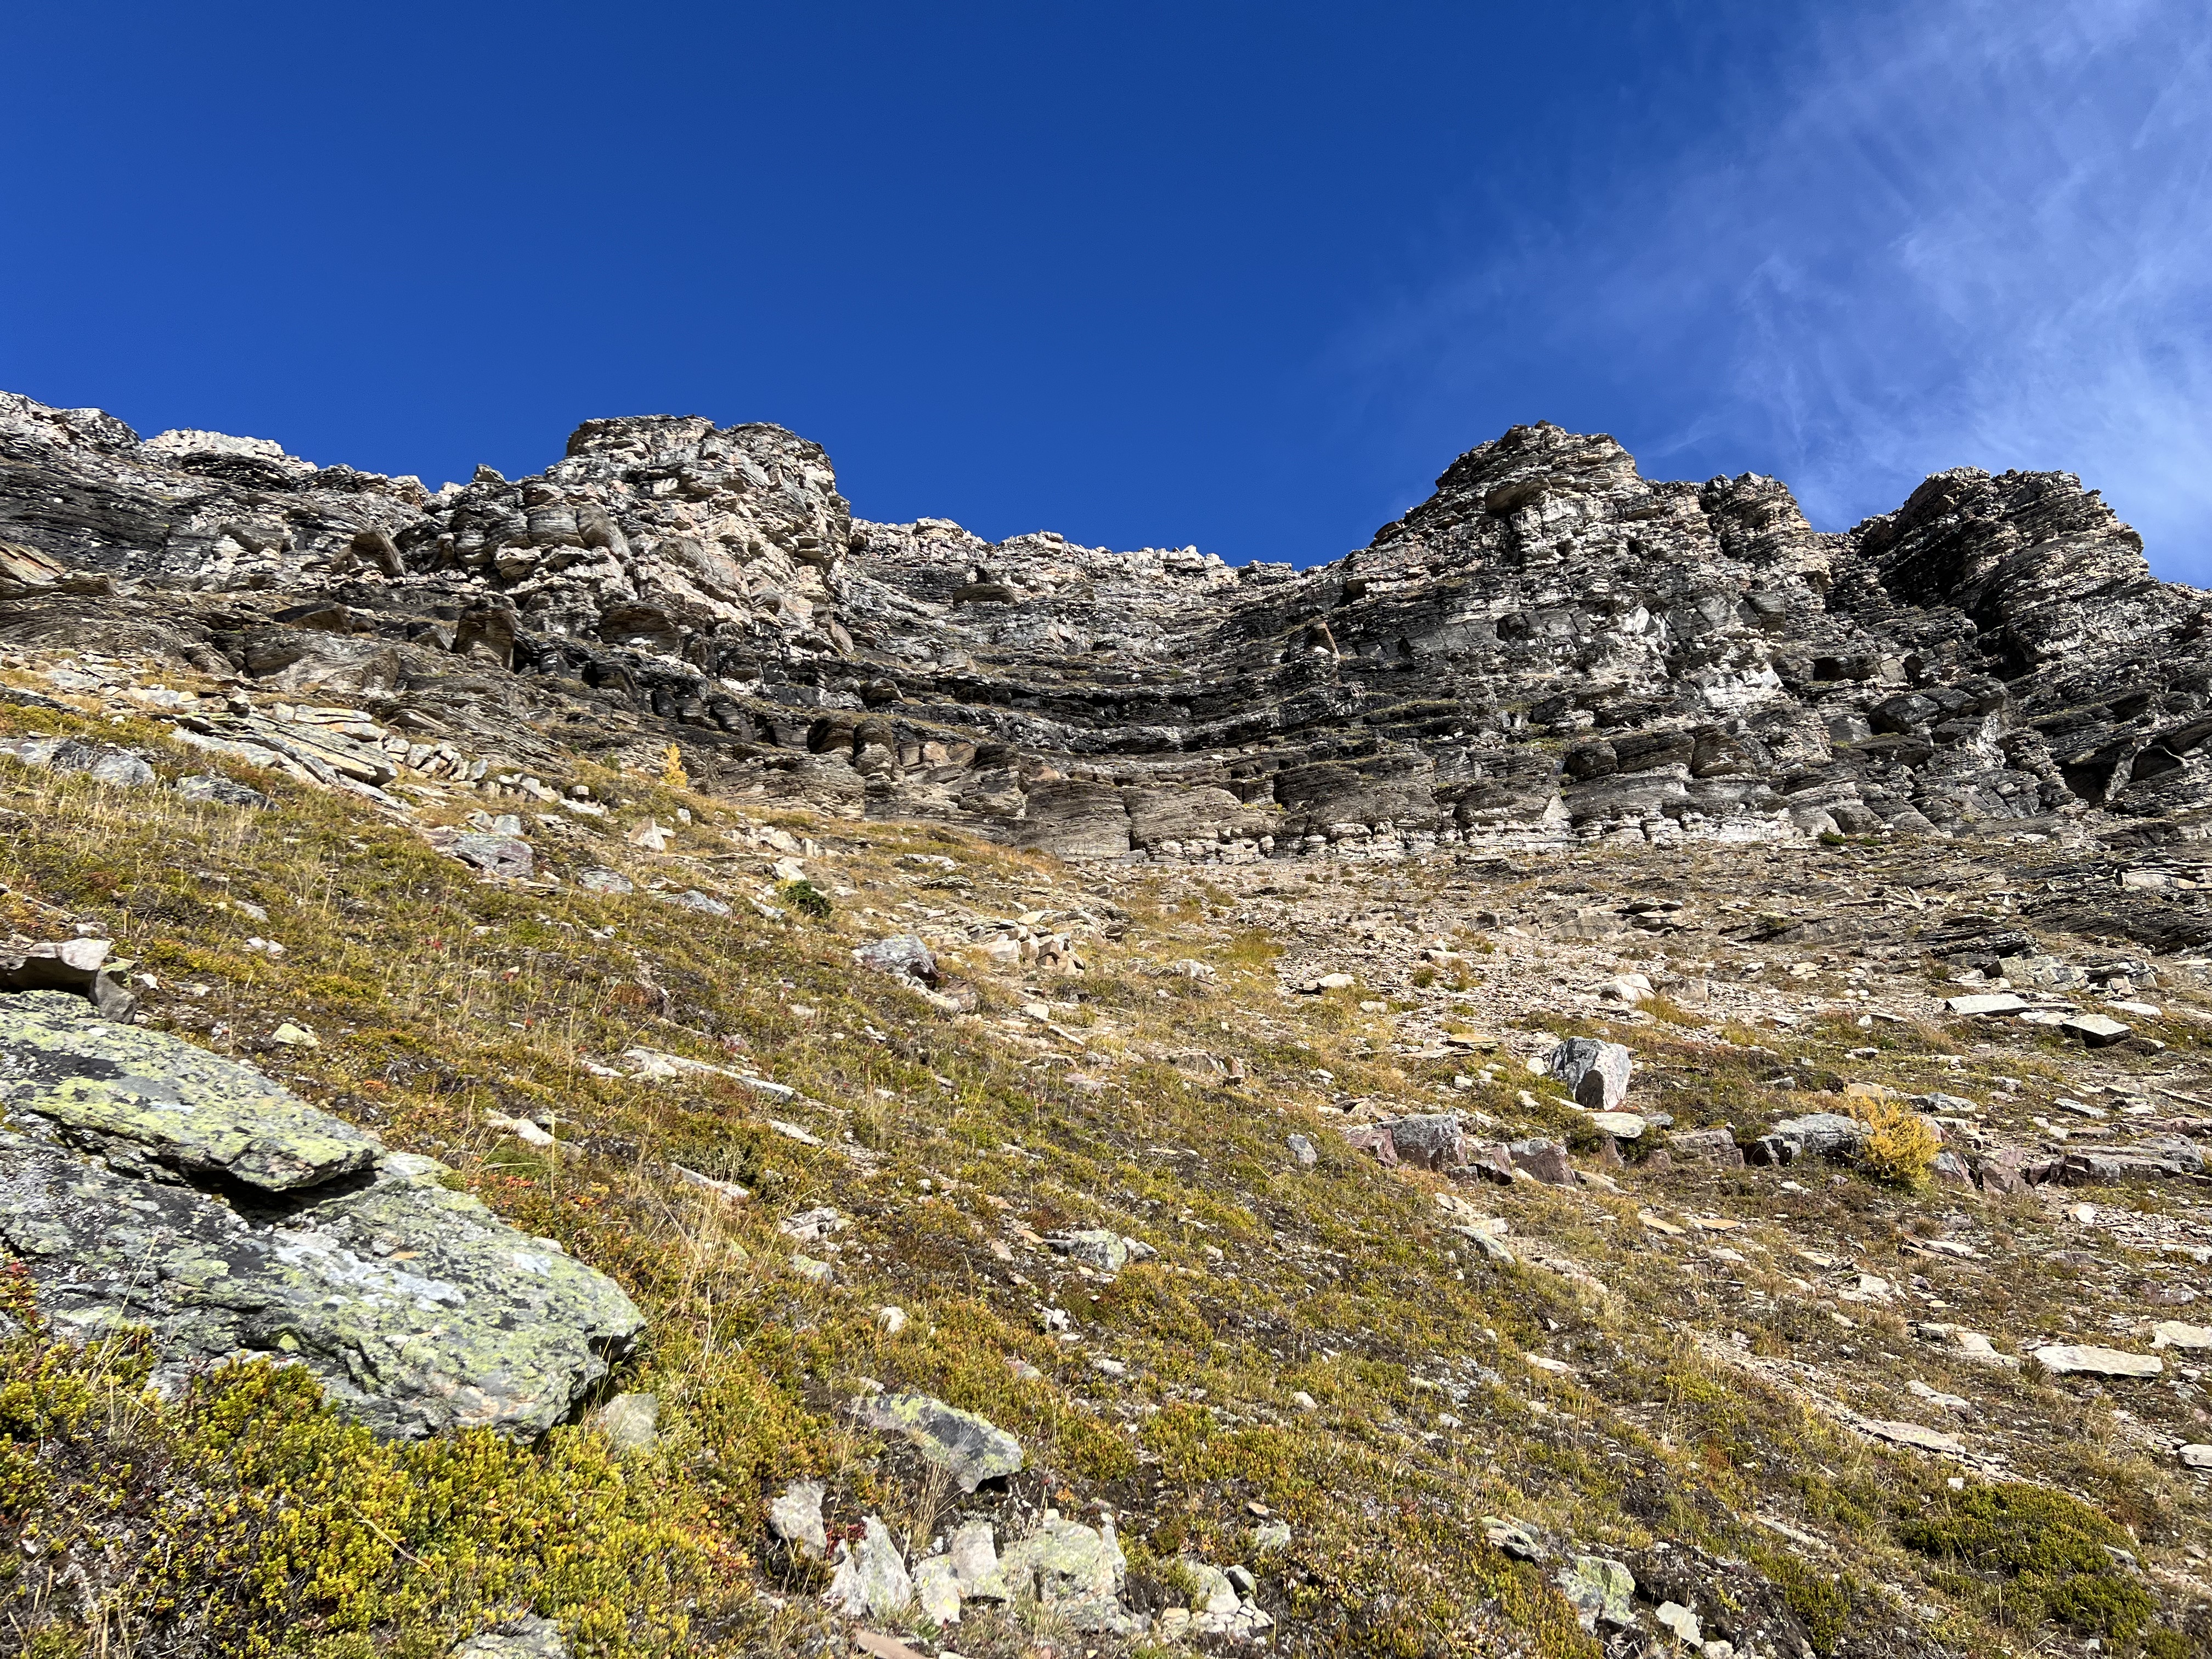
pixel 145 1181
pixel 176 1105
pixel 528 1637
pixel 2067 1358
pixel 970 1448
pixel 1916 1434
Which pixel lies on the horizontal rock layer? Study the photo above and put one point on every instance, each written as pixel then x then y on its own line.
pixel 1550 647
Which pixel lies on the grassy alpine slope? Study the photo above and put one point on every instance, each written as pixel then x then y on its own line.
pixel 1312 1345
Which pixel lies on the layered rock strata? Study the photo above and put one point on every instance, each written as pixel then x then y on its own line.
pixel 1551 648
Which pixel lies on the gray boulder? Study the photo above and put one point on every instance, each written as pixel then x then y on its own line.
pixel 1076 1571
pixel 1715 1145
pixel 1101 1248
pixel 79 965
pixel 144 1098
pixel 1095 1247
pixel 1817 1134
pixel 495 856
pixel 100 762
pixel 1429 1142
pixel 214 787
pixel 796 1517
pixel 902 956
pixel 1599 1590
pixel 146 1182
pixel 2095 1030
pixel 871 1580
pixel 1596 1073
pixel 1546 1160
pixel 2176 1150
pixel 692 899
pixel 970 1448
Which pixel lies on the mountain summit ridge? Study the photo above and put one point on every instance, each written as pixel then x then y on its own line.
pixel 1550 649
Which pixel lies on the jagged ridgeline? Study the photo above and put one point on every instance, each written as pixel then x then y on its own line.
pixel 1551 647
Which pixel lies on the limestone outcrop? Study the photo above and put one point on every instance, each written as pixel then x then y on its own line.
pixel 1551 647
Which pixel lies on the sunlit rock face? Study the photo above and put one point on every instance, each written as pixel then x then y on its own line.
pixel 1550 648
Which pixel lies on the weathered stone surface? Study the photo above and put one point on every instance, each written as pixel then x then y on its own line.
pixel 968 1448
pixel 1596 1073
pixel 1964 1343
pixel 870 1581
pixel 2095 1030
pixel 214 787
pixel 974 1558
pixel 78 965
pixel 1592 653
pixel 1707 1146
pixel 1372 1138
pixel 169 1103
pixel 629 1421
pixel 1917 1436
pixel 2012 1169
pixel 1212 1591
pixel 495 856
pixel 692 899
pixel 102 763
pixel 901 955
pixel 1100 1248
pixel 936 1588
pixel 1546 1160
pixel 1074 1570
pixel 795 1516
pixel 416 1307
pixel 526 1638
pixel 1993 1002
pixel 1679 1619
pixel 1816 1134
pixel 2067 1359
pixel 1429 1142
pixel 1600 1592
pixel 1513 1538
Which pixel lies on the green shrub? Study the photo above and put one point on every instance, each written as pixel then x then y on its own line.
pixel 257 1521
pixel 805 897
pixel 2025 1555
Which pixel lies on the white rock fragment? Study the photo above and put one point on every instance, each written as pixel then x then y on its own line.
pixel 796 1517
pixel 870 1582
pixel 2068 1359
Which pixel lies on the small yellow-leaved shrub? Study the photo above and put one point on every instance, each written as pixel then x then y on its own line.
pixel 1900 1144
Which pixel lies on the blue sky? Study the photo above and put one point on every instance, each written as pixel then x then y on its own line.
pixel 1241 275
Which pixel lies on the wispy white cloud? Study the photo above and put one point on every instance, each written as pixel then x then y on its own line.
pixel 1970 234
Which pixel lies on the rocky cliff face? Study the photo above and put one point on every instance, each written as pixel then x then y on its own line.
pixel 1551 648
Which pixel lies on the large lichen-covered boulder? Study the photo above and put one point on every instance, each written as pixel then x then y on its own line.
pixel 146 1182
pixel 178 1106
